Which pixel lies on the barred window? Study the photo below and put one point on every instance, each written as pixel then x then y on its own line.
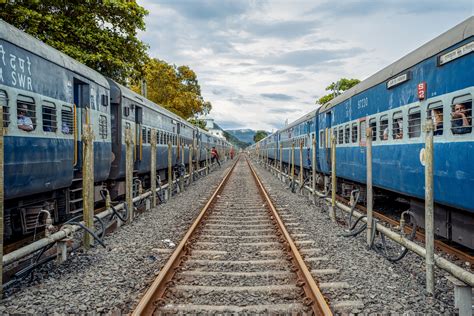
pixel 373 126
pixel 354 132
pixel 149 135
pixel 397 125
pixel 143 135
pixel 49 117
pixel 383 131
pixel 362 128
pixel 341 135
pixel 103 126
pixel 67 120
pixel 435 112
pixel 6 108
pixel 347 134
pixel 414 122
pixel 26 113
pixel 461 115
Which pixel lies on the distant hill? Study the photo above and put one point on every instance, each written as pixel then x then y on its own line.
pixel 243 135
pixel 235 141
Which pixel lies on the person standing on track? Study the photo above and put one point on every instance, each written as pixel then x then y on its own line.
pixel 215 156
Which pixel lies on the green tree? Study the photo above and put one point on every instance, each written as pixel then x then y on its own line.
pixel 175 88
pixel 336 89
pixel 199 123
pixel 100 34
pixel 259 135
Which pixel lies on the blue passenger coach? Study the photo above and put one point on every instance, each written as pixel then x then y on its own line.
pixel 46 96
pixel 435 82
pixel 431 82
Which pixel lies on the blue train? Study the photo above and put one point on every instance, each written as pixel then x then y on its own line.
pixel 435 81
pixel 46 97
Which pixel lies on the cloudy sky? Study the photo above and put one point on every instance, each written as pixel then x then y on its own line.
pixel 262 62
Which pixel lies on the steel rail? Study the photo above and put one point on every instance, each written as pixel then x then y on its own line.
pixel 312 291
pixel 147 305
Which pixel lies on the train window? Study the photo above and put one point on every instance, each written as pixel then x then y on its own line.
pixel 6 108
pixel 126 111
pixel 49 117
pixel 341 135
pixel 397 125
pixel 461 115
pixel 144 135
pixel 149 135
pixel 414 122
pixel 26 113
pixel 362 128
pixel 67 120
pixel 435 112
pixel 354 132
pixel 321 139
pixel 373 126
pixel 383 131
pixel 347 134
pixel 103 126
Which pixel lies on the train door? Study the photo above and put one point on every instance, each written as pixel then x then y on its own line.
pixel 82 116
pixel 138 133
pixel 327 132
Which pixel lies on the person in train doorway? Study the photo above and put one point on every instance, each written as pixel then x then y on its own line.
pixel 232 153
pixel 24 121
pixel 215 156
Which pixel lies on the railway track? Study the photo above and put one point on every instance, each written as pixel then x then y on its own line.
pixel 236 257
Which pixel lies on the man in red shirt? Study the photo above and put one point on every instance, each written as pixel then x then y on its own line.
pixel 215 156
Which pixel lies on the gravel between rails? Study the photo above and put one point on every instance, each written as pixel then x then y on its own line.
pixel 112 280
pixel 384 287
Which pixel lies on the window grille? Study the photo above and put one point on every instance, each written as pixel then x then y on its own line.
pixel 354 132
pixel 49 117
pixel 383 131
pixel 414 122
pixel 149 134
pixel 103 126
pixel 397 125
pixel 435 112
pixel 6 108
pixel 461 115
pixel 373 126
pixel 144 135
pixel 26 113
pixel 67 120
pixel 341 135
pixel 362 134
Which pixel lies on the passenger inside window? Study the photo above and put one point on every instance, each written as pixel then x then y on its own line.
pixel 397 132
pixel 383 129
pixel 461 118
pixel 24 121
pixel 438 121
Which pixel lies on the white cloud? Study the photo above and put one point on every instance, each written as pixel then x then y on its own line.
pixel 262 62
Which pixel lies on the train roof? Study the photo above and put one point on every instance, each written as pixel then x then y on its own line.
pixel 449 38
pixel 23 40
pixel 132 95
pixel 302 119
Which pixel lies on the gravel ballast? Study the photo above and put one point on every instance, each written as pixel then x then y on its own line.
pixel 113 279
pixel 382 286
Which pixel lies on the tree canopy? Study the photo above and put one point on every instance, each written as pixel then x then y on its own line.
pixel 199 123
pixel 174 87
pixel 99 34
pixel 336 89
pixel 259 135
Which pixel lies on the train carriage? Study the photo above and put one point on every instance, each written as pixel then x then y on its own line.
pixel 46 96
